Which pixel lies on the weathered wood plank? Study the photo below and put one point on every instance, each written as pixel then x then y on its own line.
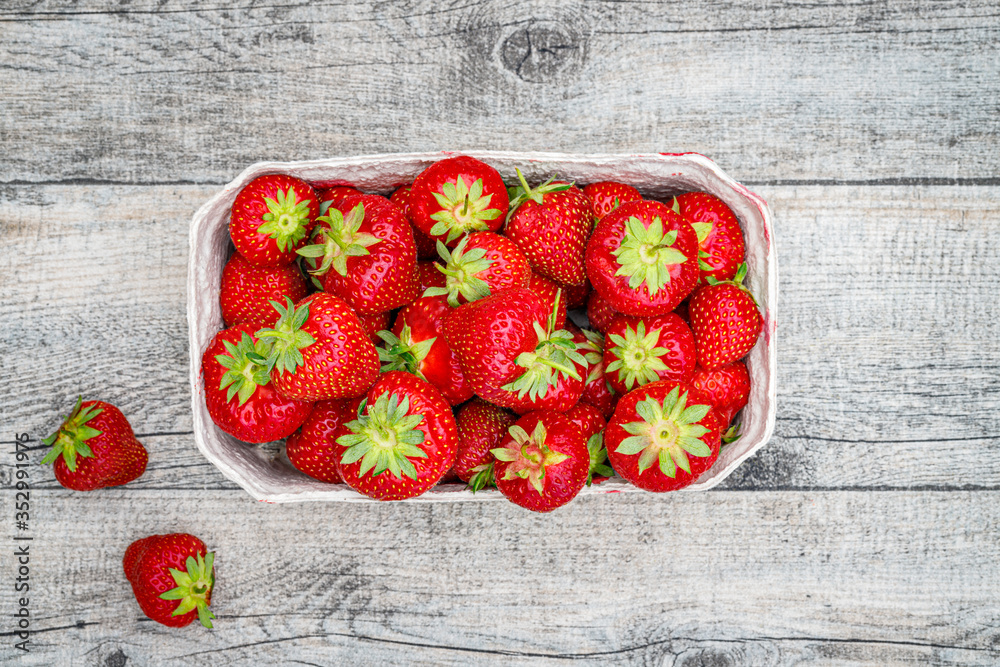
pixel 889 349
pixel 153 92
pixel 727 578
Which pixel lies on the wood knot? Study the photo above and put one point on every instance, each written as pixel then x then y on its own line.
pixel 542 51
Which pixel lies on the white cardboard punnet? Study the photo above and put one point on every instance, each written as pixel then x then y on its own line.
pixel 658 176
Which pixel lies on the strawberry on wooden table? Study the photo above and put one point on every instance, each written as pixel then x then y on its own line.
pixel 95 448
pixel 403 442
pixel 271 218
pixel 551 225
pixel 606 196
pixel 725 321
pixel 481 427
pixel 247 291
pixel 542 463
pixel 239 395
pixel 640 350
pixel 319 350
pixel 455 196
pixel 312 449
pixel 172 577
pixel 417 345
pixel 720 239
pixel 363 248
pixel 481 264
pixel 662 436
pixel 727 387
pixel 643 258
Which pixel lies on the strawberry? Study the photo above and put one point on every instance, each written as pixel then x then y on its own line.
pixel 542 462
pixel 513 355
pixel 456 196
pixel 587 418
pixel 662 436
pixel 640 350
pixel 333 195
pixel 238 392
pixel 576 295
pixel 320 350
pixel 247 291
pixel 426 246
pixel 549 291
pixel 725 321
pixel 727 387
pixel 311 449
pixel 481 427
pixel 429 274
pixel 596 390
pixel 271 218
pixel 403 444
pixel 372 324
pixel 720 239
pixel 606 196
pixel 643 258
pixel 599 312
pixel 417 345
pixel 94 448
pixel 166 568
pixel 551 225
pixel 364 248
pixel 481 264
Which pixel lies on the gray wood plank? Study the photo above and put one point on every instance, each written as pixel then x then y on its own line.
pixel 728 578
pixel 155 92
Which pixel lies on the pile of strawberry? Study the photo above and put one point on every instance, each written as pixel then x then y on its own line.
pixel 398 342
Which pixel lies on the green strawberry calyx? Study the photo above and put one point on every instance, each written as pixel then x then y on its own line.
pixel 464 208
pixel 731 435
pixel 528 455
pixel 286 339
pixel 522 193
pixel 246 365
pixel 384 439
pixel 646 254
pixel 555 356
pixel 482 476
pixel 70 440
pixel 593 354
pixel 668 433
pixel 461 272
pixel 598 458
pixel 286 220
pixel 402 353
pixel 337 239
pixel 194 587
pixel 638 356
pixel 702 229
pixel 737 281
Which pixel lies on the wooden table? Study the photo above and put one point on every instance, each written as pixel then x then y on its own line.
pixel 865 532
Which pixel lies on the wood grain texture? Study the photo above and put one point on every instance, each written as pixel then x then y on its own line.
pixel 780 578
pixel 159 92
pixel 887 379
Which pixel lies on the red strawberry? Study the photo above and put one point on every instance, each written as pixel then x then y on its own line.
pixel 587 418
pixel 606 196
pixel 597 390
pixel 481 427
pixel 662 436
pixel 271 218
pixel 551 225
pixel 247 291
pixel 481 264
pixel 403 444
pixel 542 462
pixel 172 577
pixel 430 275
pixel 417 345
pixel 728 388
pixel 333 195
pixel 549 291
pixel 372 324
pixel 576 295
pixel 640 350
pixel 456 196
pixel 643 258
pixel 364 247
pixel 599 312
pixel 238 392
pixel 320 350
pixel 512 354
pixel 94 448
pixel 312 449
pixel 426 246
pixel 725 321
pixel 720 239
